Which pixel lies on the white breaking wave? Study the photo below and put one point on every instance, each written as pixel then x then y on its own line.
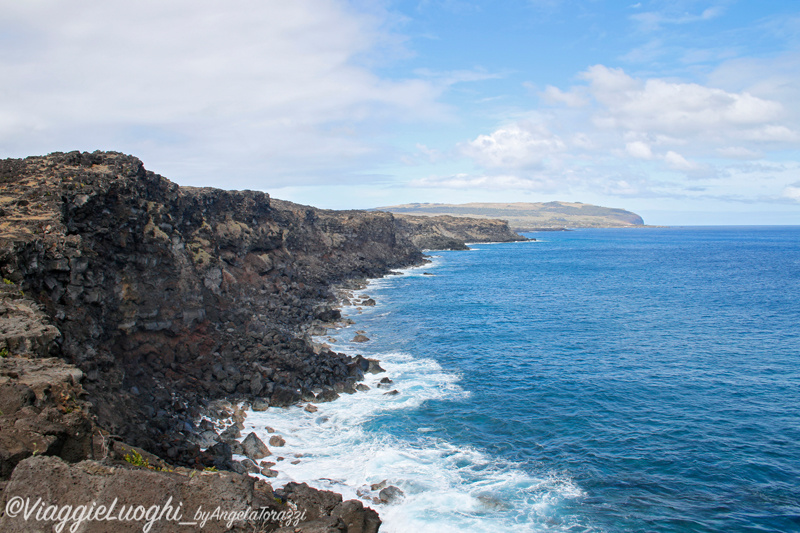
pixel 341 447
pixel 445 487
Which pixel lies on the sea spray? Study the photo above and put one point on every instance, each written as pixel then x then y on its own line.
pixel 344 446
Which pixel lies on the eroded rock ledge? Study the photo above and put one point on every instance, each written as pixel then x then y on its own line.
pixel 128 303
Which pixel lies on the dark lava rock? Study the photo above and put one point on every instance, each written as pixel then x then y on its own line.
pixel 390 494
pixel 327 395
pixel 259 405
pixel 254 448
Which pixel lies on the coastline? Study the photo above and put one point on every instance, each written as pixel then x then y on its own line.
pixel 295 457
pixel 359 444
pixel 165 304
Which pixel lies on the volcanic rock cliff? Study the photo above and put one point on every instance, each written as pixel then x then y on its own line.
pixel 129 303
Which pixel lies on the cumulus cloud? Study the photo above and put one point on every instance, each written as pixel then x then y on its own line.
pixel 682 109
pixel 629 136
pixel 282 86
pixel 517 146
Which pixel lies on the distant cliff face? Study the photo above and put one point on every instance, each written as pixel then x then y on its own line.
pixel 447 232
pixel 528 216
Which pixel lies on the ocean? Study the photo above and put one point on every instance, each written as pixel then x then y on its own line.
pixel 593 380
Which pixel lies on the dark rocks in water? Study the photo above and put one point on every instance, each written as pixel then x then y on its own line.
pixel 346 387
pixel 267 472
pixel 379 486
pixel 277 440
pixel 370 366
pixel 385 383
pixel 362 387
pixel 254 448
pixel 356 518
pixel 390 494
pixel 310 408
pixel 369 302
pixel 259 405
pixel 375 367
pixel 327 511
pixel 327 395
pixel 284 397
pixel 394 392
pixel 360 338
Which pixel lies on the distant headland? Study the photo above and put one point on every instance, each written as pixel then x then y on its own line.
pixel 523 216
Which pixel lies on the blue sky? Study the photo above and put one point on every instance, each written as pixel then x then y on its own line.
pixel 686 112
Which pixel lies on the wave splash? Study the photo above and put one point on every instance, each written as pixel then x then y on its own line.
pixel 445 487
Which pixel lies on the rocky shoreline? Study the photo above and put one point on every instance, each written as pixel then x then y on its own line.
pixel 132 309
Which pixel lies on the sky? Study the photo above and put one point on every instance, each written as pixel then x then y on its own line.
pixel 686 112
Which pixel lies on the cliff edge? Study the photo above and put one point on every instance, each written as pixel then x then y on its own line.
pixel 129 306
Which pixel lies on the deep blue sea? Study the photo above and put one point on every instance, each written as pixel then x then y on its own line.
pixel 594 380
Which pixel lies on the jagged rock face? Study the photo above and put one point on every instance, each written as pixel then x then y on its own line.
pixel 166 296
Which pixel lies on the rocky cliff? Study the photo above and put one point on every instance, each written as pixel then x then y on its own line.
pixel 451 233
pixel 129 304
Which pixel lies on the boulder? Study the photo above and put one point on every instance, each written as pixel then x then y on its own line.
pixel 254 448
pixel 277 440
pixel 259 404
pixel 356 518
pixel 390 494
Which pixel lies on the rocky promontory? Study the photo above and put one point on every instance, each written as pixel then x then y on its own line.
pixel 130 306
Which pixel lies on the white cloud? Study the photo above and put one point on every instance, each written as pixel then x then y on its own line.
pixel 503 182
pixel 639 150
pixel 555 95
pixel 792 191
pixel 657 106
pixel 678 162
pixel 517 146
pixel 739 152
pixel 641 137
pixel 652 20
pixel 252 86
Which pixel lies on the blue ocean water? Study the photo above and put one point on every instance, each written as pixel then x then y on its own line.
pixel 595 380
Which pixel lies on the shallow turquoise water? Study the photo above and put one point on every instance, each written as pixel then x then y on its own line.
pixel 597 380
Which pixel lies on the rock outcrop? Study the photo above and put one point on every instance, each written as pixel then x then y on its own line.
pixel 451 233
